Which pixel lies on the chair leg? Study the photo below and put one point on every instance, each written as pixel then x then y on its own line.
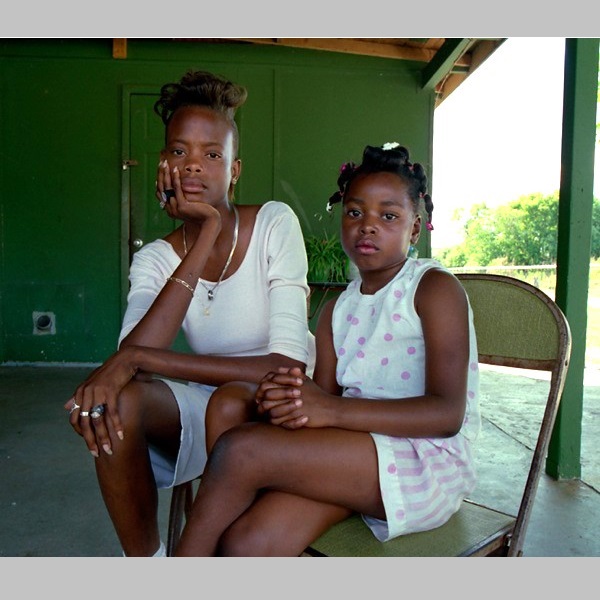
pixel 181 503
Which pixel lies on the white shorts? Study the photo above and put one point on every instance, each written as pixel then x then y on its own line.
pixel 192 400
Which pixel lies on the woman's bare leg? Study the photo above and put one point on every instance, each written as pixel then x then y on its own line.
pixel 230 405
pixel 323 465
pixel 148 412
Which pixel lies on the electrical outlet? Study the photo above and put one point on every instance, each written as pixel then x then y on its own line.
pixel 44 323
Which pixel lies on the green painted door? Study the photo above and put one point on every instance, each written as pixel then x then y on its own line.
pixel 142 215
pixel 147 221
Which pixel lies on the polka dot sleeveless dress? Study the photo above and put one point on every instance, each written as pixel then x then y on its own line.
pixel 381 354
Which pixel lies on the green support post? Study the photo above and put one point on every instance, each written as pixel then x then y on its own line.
pixel 574 242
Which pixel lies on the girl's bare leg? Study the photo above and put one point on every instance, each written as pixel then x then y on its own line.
pixel 149 412
pixel 279 524
pixel 329 466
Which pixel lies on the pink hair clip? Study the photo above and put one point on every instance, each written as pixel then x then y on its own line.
pixel 429 226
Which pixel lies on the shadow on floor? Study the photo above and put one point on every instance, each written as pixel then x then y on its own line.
pixel 50 504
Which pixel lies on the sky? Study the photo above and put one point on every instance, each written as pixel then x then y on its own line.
pixel 498 136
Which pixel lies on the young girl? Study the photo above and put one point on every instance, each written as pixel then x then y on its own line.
pixel 385 427
pixel 232 277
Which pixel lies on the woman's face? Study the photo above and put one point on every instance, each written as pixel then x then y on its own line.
pixel 200 143
pixel 379 222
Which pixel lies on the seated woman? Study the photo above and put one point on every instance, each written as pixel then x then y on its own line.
pixel 233 277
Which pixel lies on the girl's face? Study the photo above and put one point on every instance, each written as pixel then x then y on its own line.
pixel 200 143
pixel 379 222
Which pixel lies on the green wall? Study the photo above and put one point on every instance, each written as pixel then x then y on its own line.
pixel 65 129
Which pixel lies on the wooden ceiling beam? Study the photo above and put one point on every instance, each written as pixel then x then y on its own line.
pixel 350 46
pixel 442 64
pixel 448 61
pixel 119 49
pixel 482 50
pixel 478 53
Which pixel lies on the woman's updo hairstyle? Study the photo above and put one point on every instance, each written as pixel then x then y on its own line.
pixel 392 158
pixel 200 88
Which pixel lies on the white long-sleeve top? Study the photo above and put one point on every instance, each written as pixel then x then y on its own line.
pixel 258 310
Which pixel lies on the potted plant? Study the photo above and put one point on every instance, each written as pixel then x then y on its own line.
pixel 327 261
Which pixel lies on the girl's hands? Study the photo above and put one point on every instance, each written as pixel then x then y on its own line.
pixel 101 389
pixel 278 397
pixel 291 399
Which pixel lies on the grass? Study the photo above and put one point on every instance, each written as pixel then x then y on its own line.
pixel 592 348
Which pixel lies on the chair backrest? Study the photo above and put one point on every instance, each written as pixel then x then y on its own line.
pixel 519 326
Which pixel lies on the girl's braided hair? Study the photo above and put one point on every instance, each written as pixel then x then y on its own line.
pixel 392 158
pixel 201 88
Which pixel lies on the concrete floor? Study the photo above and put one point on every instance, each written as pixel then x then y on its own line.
pixel 50 505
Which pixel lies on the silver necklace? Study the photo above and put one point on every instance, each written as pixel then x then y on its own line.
pixel 211 290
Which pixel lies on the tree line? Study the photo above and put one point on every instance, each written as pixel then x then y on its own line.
pixel 522 232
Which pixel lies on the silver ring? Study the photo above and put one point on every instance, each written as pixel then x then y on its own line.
pixel 74 407
pixel 97 411
pixel 84 413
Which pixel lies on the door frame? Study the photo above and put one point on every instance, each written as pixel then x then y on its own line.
pixel 127 91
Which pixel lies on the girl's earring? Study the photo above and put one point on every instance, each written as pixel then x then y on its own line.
pixel 413 251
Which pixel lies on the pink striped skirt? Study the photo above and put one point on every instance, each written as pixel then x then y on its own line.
pixel 423 482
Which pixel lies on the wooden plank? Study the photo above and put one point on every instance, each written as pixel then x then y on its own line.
pixel 119 48
pixel 350 46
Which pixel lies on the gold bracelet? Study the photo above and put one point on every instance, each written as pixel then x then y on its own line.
pixel 182 282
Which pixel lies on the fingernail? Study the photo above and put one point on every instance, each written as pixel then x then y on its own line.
pixel 107 449
pixel 120 434
pixel 297 402
pixel 94 453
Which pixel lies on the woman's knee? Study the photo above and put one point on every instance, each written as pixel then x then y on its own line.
pixel 231 403
pixel 130 402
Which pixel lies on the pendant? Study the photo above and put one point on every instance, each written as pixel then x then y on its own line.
pixel 210 295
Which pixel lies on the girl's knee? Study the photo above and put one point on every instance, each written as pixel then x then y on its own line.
pixel 240 449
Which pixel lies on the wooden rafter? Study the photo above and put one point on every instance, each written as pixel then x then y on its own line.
pixel 447 62
pixel 363 47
